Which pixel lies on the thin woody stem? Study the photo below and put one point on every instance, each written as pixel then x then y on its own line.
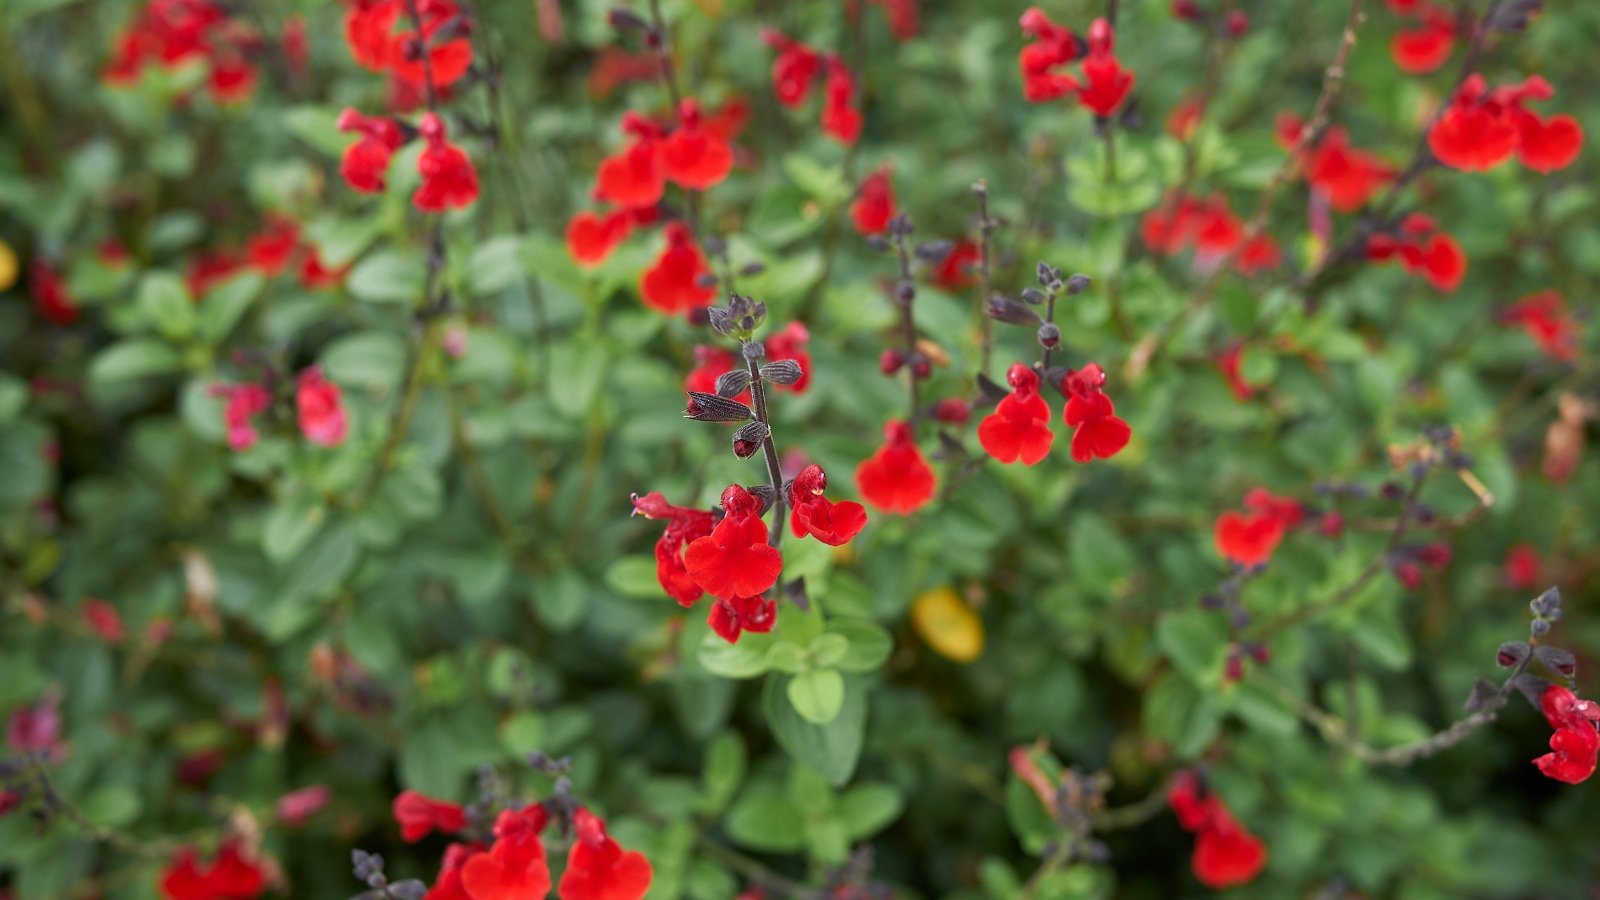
pixel 908 329
pixel 758 393
pixel 985 277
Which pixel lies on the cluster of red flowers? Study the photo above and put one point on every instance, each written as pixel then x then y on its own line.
pixel 1212 228
pixel 514 865
pixel 1426 45
pixel 1249 537
pixel 1482 128
pixel 795 71
pixel 231 876
pixel 1019 427
pixel 380 41
pixel 1545 318
pixel 172 33
pixel 1423 250
pixel 1575 746
pixel 318 403
pixel 1225 854
pixel 1105 83
pixel 1347 177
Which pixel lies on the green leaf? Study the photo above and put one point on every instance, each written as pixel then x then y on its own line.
pixel 112 805
pixel 745 659
pixel 869 644
pixel 634 576
pixel 726 761
pixel 867 809
pixel 290 526
pixel 131 360
pixel 374 360
pixel 825 184
pixel 764 819
pixel 817 694
pixel 1195 641
pixel 226 303
pixel 832 749
pixel 388 276
pixel 164 303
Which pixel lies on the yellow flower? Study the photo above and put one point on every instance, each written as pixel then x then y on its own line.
pixel 947 624
pixel 8 266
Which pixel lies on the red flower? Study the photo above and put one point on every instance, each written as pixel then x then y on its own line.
pixel 955 270
pixel 1171 226
pixel 735 560
pixel 598 868
pixel 1480 129
pixel 711 362
pixel 1545 145
pixel 831 523
pixel 693 156
pixel 315 275
pixel 368 30
pixel 272 249
pixel 209 268
pixel 448 178
pixel 230 877
pixel 1100 432
pixel 1545 318
pixel 1522 568
pixel 1106 83
pixel 1052 47
pixel 896 479
pixel 37 728
pixel 1230 364
pixel 232 78
pixel 1225 854
pixel 1287 510
pixel 448 885
pixel 636 175
pixel 1019 428
pixel 790 343
pixel 731 616
pixel 243 403
pixel 171 33
pixel 683 526
pixel 593 237
pixel 515 867
pixel 443 61
pixel 902 17
pixel 794 70
pixel 1260 253
pixel 840 118
pixel 419 814
pixel 1423 49
pixel 1185 118
pixel 672 284
pixel 320 408
pixel 1575 746
pixel 874 203
pixel 50 295
pixel 1422 250
pixel 1247 539
pixel 365 162
pixel 103 619
pixel 1346 176
pixel 295 807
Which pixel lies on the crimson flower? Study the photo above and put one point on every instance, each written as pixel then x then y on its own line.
pixel 693 155
pixel 320 408
pixel 209 268
pixel 592 237
pixel 874 204
pixel 104 620
pixel 50 295
pixel 448 885
pixel 1523 569
pixel 444 59
pixel 419 814
pixel 368 29
pixel 954 272
pixel 1545 318
pixel 1259 254
pixel 672 284
pixel 1100 432
pixel 172 33
pixel 831 523
pixel 366 162
pixel 448 178
pixel 635 175
pixel 794 69
pixel 1482 128
pixel 789 343
pixel 1230 363
pixel 272 249
pixel 1019 428
pixel 242 403
pixel 735 560
pixel 710 362
pixel 1225 854
pixel 37 728
pixel 1247 539
pixel 230 877
pixel 1575 746
pixel 896 478
pixel 1426 47
pixel 841 120
pixel 598 868
pixel 1106 83
pixel 515 867
pixel 1287 510
pixel 731 616
pixel 1052 47
pixel 1346 176
pixel 1422 250
pixel 683 525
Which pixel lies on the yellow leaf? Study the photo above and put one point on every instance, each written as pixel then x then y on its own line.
pixel 8 266
pixel 947 624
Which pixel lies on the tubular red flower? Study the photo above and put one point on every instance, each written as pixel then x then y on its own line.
pixel 694 156
pixel 874 203
pixel 1106 83
pixel 672 284
pixel 1052 47
pixel 1100 432
pixel 1423 49
pixel 593 237
pixel 448 177
pixel 1575 745
pixel 735 560
pixel 683 526
pixel 1545 318
pixel 1225 854
pixel 841 120
pixel 1474 133
pixel 1346 176
pixel 366 162
pixel 420 815
pixel 243 402
pixel 320 408
pixel 794 70
pixel 896 478
pixel 231 876
pixel 731 616
pixel 515 867
pixel 829 522
pixel 1019 428
pixel 598 868
pixel 790 343
pixel 1247 539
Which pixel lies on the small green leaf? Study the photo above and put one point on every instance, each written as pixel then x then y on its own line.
pixel 832 749
pixel 368 359
pixel 226 303
pixel 867 809
pixel 388 276
pixel 745 659
pixel 132 360
pixel 868 648
pixel 817 694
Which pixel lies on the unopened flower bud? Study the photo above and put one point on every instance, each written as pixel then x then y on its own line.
pixel 891 361
pixel 747 440
pixel 952 410
pixel 1049 335
pixel 1236 24
pixel 921 366
pixel 1078 283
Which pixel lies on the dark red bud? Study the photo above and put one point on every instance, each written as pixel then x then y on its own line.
pixel 891 361
pixel 1237 24
pixel 952 410
pixel 921 367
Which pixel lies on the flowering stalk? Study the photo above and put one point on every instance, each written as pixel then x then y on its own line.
pixel 751 351
pixel 905 295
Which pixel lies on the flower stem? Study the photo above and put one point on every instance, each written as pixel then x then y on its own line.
pixel 758 393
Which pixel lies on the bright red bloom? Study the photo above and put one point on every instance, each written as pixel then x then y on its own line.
pixel 1287 510
pixel 896 478
pixel 694 156
pixel 515 867
pixel 1019 428
pixel 1420 50
pixel 448 178
pixel 171 32
pixel 1225 854
pixel 874 203
pixel 731 616
pixel 232 78
pixel 1230 364
pixel 1575 746
pixel 841 120
pixel 1422 250
pixel 789 343
pixel 1346 176
pixel 50 295
pixel 316 275
pixel 1545 318
pixel 735 560
pixel 448 885
pixel 36 728
pixel 794 70
pixel 1259 254
pixel 636 175
pixel 1523 569
pixel 1106 83
pixel 209 268
pixel 955 270
pixel 831 523
pixel 1482 128
pixel 593 237
pixel 1545 145
pixel 419 815
pixel 104 620
pixel 446 60
pixel 683 526
pixel 598 868
pixel 243 402
pixel 366 162
pixel 1247 538
pixel 230 877
pixel 672 284
pixel 272 249
pixel 1171 225
pixel 368 30
pixel 710 363
pixel 1052 47
pixel 321 409
pixel 1100 432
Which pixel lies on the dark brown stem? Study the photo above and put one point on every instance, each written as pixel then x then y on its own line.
pixel 758 393
pixel 908 328
pixel 985 278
